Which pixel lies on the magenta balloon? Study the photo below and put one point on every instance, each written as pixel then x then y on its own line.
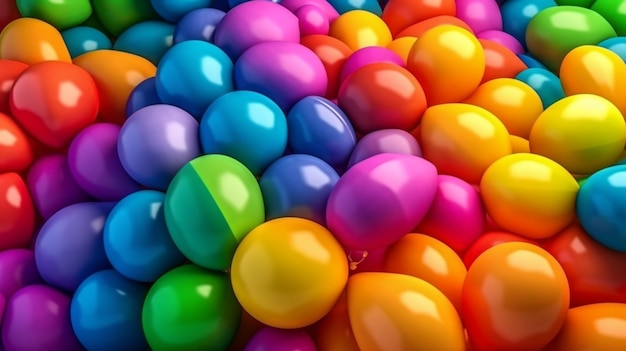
pixel 480 15
pixel 367 56
pixel 503 38
pixel 393 141
pixel 312 20
pixel 17 270
pixel 273 339
pixel 255 22
pixel 380 199
pixel 324 5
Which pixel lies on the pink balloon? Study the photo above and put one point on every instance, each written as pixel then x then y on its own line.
pixel 312 20
pixel 503 38
pixel 367 56
pixel 457 216
pixel 380 199
pixel 480 15
pixel 325 6
pixel 268 338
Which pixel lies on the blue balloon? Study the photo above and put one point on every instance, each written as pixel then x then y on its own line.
pixel 149 39
pixel 298 186
pixel 246 126
pixel 136 239
pixel 530 61
pixel 517 14
pixel 617 45
pixel 343 6
pixel 80 40
pixel 143 95
pixel 105 312
pixel 69 247
pixel 198 25
pixel 192 74
pixel 320 128
pixel 601 207
pixel 174 10
pixel 545 83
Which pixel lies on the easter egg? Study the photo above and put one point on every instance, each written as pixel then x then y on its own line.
pixel 545 83
pixel 380 199
pixel 82 39
pixel 190 308
pixel 529 305
pixel 289 272
pixel 359 29
pixel 15 148
pixel 462 140
pixel 174 10
pixel 198 24
pixel 17 222
pixel 281 339
pixel 63 14
pixel 529 195
pixel 18 43
pixel 429 319
pixel 395 141
pixel 210 205
pixel 17 270
pixel 54 101
pixel 106 312
pixel 149 39
pixel 333 53
pixel 399 14
pixel 584 133
pixel 117 16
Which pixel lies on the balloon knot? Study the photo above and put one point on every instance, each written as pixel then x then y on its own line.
pixel 355 264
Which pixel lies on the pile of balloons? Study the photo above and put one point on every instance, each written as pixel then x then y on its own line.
pixel 312 175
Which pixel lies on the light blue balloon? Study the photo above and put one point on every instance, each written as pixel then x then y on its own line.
pixel 136 239
pixel 516 14
pixel 80 40
pixel 343 6
pixel 246 126
pixel 617 45
pixel 192 74
pixel 149 39
pixel 545 83
pixel 174 10
pixel 601 207
pixel 106 312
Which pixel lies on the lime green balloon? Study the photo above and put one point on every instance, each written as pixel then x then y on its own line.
pixel 210 206
pixel 117 15
pixel 61 14
pixel 190 308
pixel 581 3
pixel 613 11
pixel 555 31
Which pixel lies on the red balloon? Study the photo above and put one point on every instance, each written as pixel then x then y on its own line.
pixel 8 12
pixel 500 62
pixel 9 70
pixel 53 101
pixel 333 53
pixel 595 273
pixel 16 152
pixel 400 14
pixel 17 213
pixel 489 240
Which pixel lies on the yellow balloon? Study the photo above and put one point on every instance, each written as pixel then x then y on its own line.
pixel 31 41
pixel 402 46
pixel 359 29
pixel 591 69
pixel 289 272
pixel 584 133
pixel 519 145
pixel 514 102
pixel 390 311
pixel 529 195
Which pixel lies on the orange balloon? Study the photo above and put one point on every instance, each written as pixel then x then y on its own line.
pixel 463 140
pixel 515 297
pixel 116 74
pixel 333 53
pixel 514 102
pixel 402 46
pixel 418 29
pixel 500 62
pixel 449 62
pixel 519 145
pixel 488 240
pixel 427 258
pixel 31 41
pixel 399 14
pixel 334 331
pixel 399 312
pixel 598 327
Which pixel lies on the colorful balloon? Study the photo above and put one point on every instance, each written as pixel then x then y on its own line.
pixel 143 95
pixel 17 270
pixel 359 29
pixel 83 39
pixel 198 24
pixel 62 14
pixel 402 47
pixel 268 338
pixel 174 10
pixel 312 20
pixel 503 38
pixel 395 141
pixel 613 12
pixel 333 53
pixel 480 15
pixel 500 61
pixel 149 39
pixel 399 14
pixel 15 147
pixel 18 43
pixel 334 331
pixel 488 240
pixel 366 56
pixel 617 45
pixel 117 16
pixel 517 14
pixel 545 83
pixel 418 29
pixel 9 71
pixel 18 213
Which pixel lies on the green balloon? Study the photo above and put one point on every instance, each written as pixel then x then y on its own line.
pixel 117 15
pixel 555 31
pixel 190 308
pixel 95 23
pixel 61 14
pixel 210 206
pixel 581 3
pixel 613 11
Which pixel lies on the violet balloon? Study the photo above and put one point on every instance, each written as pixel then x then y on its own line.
pixel 380 199
pixel 17 270
pixel 144 94
pixel 503 38
pixel 395 141
pixel 480 15
pixel 367 56
pixel 198 25
pixel 268 338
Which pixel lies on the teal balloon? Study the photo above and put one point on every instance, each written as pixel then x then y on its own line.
pixel 617 45
pixel 343 6
pixel 149 39
pixel 545 83
pixel 83 39
pixel 212 203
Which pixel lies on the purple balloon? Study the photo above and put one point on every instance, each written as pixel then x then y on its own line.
pixel 325 6
pixel 367 56
pixel 37 318
pixel 503 38
pixel 95 164
pixel 198 25
pixel 285 72
pixel 156 142
pixel 395 141
pixel 70 245
pixel 268 338
pixel 255 22
pixel 52 185
pixel 144 94
pixel 17 270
